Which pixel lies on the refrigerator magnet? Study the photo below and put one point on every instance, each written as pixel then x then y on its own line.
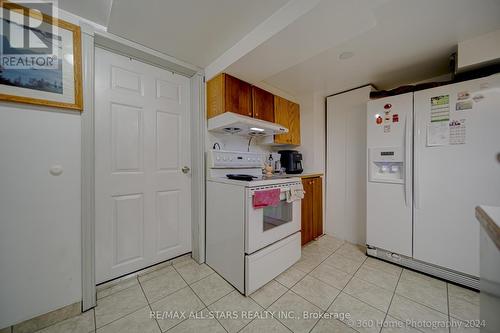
pixel 463 95
pixel 463 105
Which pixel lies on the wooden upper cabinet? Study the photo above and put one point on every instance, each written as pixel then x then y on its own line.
pixel 238 96
pixel 262 104
pixel 294 122
pixel 287 114
pixel 281 117
pixel 228 94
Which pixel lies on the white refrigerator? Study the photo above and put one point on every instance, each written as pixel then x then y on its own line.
pixel 432 158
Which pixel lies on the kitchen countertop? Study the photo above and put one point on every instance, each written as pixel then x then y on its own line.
pixel 309 175
pixel 489 217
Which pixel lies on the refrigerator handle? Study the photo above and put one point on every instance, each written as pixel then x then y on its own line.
pixel 416 185
pixel 408 153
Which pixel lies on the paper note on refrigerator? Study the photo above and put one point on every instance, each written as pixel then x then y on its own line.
pixel 440 108
pixel 457 132
pixel 438 134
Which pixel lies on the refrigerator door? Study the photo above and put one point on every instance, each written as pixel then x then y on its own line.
pixel 389 185
pixel 455 170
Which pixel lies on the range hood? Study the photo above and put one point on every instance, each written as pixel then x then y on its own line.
pixel 233 123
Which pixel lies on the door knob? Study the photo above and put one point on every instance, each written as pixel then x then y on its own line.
pixel 185 169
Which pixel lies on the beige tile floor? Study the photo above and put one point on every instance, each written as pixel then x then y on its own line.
pixel 331 277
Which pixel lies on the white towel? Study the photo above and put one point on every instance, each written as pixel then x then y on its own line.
pixel 296 192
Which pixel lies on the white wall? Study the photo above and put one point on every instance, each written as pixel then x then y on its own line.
pixel 312 130
pixel 40 214
pixel 40 261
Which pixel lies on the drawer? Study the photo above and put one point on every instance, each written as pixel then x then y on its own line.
pixel 264 265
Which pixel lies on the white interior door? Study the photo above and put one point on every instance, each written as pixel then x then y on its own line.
pixel 143 213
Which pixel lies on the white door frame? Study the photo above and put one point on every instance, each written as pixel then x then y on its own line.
pixel 90 39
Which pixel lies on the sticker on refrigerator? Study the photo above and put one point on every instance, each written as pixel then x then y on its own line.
pixel 463 105
pixel 478 98
pixel 463 95
pixel 387 128
pixel 457 132
pixel 395 118
pixel 440 108
pixel 438 134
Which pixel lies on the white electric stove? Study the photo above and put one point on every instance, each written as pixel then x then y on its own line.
pixel 249 246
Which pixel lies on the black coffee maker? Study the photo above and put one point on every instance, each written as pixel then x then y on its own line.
pixel 291 160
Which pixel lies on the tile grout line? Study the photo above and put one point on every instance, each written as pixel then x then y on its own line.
pixel 392 297
pixel 341 290
pixel 218 299
pixel 400 295
pixel 149 304
pixel 206 306
pixel 125 315
pixel 448 306
pixel 309 274
pixel 290 289
pixel 95 321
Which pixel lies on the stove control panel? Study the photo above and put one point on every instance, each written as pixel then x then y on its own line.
pixel 234 159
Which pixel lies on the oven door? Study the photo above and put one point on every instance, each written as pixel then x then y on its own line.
pixel 264 226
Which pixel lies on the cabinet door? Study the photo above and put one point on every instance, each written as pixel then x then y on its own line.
pixel 294 122
pixel 262 104
pixel 317 207
pixel 238 96
pixel 281 117
pixel 307 212
pixel 215 96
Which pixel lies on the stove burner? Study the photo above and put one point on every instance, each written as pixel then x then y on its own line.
pixel 241 177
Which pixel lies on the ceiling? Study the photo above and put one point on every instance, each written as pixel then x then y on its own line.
pixel 394 42
pixel 195 31
pixel 94 10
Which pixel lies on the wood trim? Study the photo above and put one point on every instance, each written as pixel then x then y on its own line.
pixel 312 175
pixel 88 179
pixel 77 61
pixel 198 128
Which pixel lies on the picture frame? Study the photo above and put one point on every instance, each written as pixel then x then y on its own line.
pixel 47 68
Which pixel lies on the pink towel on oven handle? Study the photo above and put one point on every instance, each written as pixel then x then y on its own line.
pixel 266 198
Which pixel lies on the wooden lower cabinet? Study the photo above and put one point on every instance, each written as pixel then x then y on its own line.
pixel 312 209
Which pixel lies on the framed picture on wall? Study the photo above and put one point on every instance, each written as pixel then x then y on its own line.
pixel 40 56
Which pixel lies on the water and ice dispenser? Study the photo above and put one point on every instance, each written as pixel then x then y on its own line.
pixel 386 165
